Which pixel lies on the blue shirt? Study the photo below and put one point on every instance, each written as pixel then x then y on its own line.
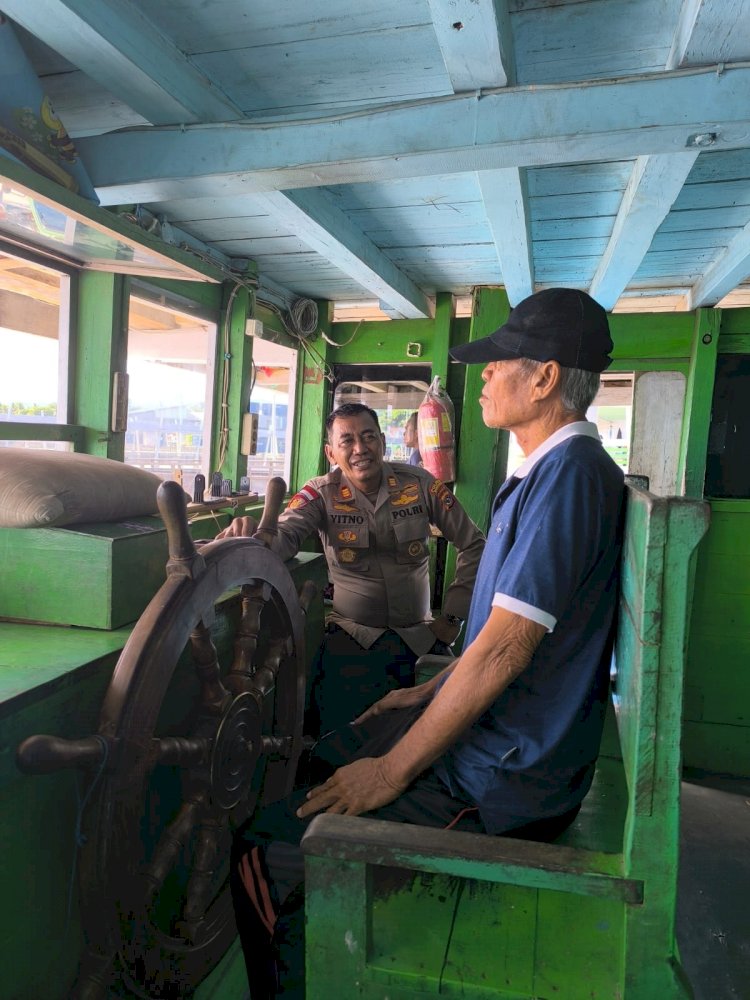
pixel 552 556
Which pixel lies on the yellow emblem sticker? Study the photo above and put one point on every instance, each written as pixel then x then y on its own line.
pixel 347 536
pixel 409 494
pixel 347 555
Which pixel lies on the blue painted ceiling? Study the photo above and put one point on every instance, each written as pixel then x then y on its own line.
pixel 388 149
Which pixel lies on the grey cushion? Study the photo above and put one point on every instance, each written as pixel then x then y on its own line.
pixel 41 489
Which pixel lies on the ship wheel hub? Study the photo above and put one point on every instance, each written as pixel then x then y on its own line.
pixel 237 749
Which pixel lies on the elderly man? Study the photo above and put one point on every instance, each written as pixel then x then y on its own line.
pixel 506 739
pixel 374 520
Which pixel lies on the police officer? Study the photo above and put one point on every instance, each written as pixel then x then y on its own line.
pixel 374 521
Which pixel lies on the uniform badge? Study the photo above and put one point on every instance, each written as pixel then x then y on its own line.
pixel 415 549
pixel 347 555
pixel 347 536
pixel 392 484
pixel 346 507
pixel 305 496
pixel 345 493
pixel 443 494
pixel 409 494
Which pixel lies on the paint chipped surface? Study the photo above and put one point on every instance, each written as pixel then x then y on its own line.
pixel 350 942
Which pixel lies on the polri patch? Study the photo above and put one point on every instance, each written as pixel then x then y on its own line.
pixel 443 494
pixel 347 536
pixel 305 496
pixel 347 555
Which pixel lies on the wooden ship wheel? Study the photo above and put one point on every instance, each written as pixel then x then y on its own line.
pixel 187 748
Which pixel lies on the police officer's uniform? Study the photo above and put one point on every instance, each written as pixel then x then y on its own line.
pixel 377 554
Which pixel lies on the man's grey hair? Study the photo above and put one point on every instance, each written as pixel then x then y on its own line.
pixel 578 388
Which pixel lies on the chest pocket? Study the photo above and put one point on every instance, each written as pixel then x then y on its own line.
pixel 411 538
pixel 350 543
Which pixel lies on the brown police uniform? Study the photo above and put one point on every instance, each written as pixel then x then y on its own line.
pixel 377 551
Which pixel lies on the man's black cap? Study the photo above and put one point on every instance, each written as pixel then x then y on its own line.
pixel 557 324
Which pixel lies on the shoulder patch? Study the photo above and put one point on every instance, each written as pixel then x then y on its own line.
pixel 305 496
pixel 441 492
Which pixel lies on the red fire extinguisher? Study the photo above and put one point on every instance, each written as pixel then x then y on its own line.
pixel 435 423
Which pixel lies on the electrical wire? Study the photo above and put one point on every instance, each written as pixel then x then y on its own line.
pixel 224 406
pixel 346 343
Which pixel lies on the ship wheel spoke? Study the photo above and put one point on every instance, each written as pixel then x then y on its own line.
pixel 214 697
pixel 211 848
pixel 173 841
pixel 254 598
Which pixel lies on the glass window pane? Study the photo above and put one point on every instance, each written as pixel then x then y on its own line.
pixel 33 342
pixel 170 382
pixel 272 398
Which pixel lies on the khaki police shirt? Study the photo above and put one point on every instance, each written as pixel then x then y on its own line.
pixel 377 552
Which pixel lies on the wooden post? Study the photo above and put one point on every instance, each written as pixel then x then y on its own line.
pixel 99 349
pixel 691 469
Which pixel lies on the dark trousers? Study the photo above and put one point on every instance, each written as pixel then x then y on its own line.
pixel 347 679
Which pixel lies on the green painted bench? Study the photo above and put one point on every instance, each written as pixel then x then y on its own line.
pixel 398 912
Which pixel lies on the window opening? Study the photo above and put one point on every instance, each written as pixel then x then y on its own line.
pixel 34 342
pixel 272 399
pixel 170 391
pixel 727 467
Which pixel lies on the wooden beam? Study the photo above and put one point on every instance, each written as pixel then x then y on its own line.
pixel 116 44
pixel 474 39
pixel 710 31
pixel 518 127
pixel 727 271
pixel 505 202
pixel 656 181
pixel 313 217
pixel 650 193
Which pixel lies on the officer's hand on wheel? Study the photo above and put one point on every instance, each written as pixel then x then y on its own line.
pixel 241 527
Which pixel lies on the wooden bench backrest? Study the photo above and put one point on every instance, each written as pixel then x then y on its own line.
pixel 661 535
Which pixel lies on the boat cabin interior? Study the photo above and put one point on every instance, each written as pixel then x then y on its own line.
pixel 221 219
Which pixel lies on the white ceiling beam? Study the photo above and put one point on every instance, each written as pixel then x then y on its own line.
pixel 518 127
pixel 656 181
pixel 474 39
pixel 710 31
pixel 732 267
pixel 651 191
pixel 322 226
pixel 114 43
pixel 505 202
